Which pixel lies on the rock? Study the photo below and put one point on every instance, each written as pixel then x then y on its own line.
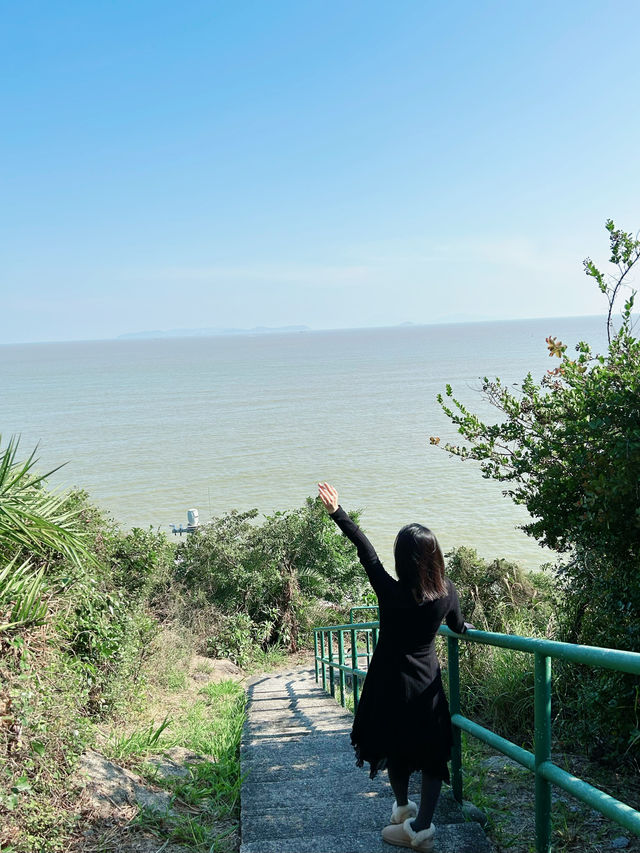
pixel 498 763
pixel 153 801
pixel 165 768
pixel 620 842
pixel 213 670
pixel 110 787
pixel 174 762
pixel 472 812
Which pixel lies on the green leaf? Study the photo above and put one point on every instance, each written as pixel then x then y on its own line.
pixel 9 801
pixel 21 786
pixel 38 747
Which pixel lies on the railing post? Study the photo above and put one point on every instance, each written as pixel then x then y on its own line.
pixel 454 702
pixel 343 680
pixel 315 651
pixel 354 666
pixel 332 686
pixel 542 723
pixel 324 666
pixel 368 642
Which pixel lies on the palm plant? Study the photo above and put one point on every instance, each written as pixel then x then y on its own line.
pixel 22 591
pixel 35 526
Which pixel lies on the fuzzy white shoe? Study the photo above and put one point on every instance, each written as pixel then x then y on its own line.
pixel 402 835
pixel 400 813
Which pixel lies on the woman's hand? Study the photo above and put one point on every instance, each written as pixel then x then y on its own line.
pixel 328 496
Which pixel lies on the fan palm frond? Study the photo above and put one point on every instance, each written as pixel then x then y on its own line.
pixel 22 602
pixel 33 520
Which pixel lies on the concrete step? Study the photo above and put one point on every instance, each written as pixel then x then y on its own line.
pixel 333 739
pixel 455 838
pixel 347 793
pixel 323 810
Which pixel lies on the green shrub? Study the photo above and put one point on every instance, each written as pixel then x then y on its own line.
pixel 603 613
pixel 233 636
pixel 141 562
pixel 494 594
pixel 598 711
pixel 268 578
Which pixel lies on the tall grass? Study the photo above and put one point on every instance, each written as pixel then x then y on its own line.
pixel 139 742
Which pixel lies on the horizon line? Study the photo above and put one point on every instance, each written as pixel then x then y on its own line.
pixel 289 329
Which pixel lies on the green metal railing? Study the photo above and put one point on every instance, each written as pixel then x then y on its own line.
pixel 370 631
pixel 332 654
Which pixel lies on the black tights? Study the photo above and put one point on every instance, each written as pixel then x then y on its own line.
pixel 399 779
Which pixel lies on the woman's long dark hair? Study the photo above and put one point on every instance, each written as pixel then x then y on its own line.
pixel 419 563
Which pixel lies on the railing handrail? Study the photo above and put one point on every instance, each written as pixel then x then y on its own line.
pixel 350 626
pixel 539 762
pixel 618 659
pixel 361 607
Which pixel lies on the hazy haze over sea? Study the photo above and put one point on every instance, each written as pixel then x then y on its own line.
pixel 153 427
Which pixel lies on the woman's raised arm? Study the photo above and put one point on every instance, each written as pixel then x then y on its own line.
pixel 378 577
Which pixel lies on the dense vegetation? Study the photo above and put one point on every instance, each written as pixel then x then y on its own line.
pixel 260 585
pixel 568 448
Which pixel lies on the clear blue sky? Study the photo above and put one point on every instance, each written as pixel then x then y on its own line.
pixel 334 164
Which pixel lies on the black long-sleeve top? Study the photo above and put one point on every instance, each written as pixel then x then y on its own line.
pixel 410 627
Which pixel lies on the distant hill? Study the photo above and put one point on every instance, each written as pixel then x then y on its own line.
pixel 209 333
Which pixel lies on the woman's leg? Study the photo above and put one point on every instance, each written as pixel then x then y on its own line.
pixel 399 780
pixel 428 800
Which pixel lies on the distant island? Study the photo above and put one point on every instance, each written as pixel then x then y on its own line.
pixel 209 333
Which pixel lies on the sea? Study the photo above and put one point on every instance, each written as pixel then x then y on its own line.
pixel 154 427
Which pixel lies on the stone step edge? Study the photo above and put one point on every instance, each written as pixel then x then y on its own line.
pixel 367 841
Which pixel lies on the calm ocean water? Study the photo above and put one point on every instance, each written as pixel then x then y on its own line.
pixel 153 427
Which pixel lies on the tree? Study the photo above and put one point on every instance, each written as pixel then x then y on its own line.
pixel 567 447
pixel 268 577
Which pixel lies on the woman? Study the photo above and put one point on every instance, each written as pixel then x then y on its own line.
pixel 403 722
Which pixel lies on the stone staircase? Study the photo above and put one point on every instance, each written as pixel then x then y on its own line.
pixel 302 791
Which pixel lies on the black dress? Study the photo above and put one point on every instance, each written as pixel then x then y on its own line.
pixel 403 713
